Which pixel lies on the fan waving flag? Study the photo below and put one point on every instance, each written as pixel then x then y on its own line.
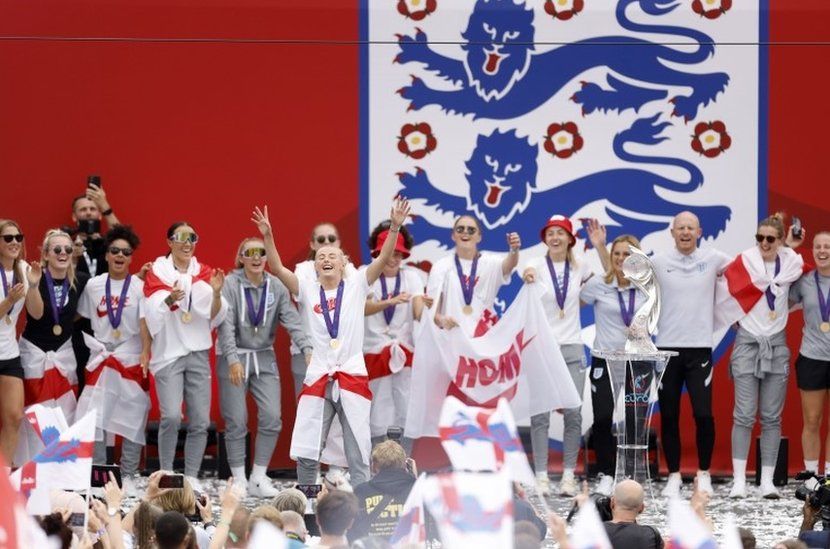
pixel 687 530
pixel 411 529
pixel 39 421
pixel 482 439
pixel 588 531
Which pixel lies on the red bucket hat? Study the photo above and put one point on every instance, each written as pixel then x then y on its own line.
pixel 563 223
pixel 399 245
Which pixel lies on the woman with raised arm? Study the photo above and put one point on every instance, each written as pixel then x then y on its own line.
pixel 46 353
pixel 395 302
pixel 116 374
pixel 15 288
pixel 465 283
pixel 245 362
pixel 615 301
pixel 337 381
pixel 562 276
pixel 183 304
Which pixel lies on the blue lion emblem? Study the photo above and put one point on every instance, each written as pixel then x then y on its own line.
pixel 501 182
pixel 60 451
pixel 498 433
pixel 503 77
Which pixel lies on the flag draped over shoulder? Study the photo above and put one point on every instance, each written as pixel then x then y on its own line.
pixel 518 359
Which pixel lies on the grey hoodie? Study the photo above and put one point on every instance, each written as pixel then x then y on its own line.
pixel 236 332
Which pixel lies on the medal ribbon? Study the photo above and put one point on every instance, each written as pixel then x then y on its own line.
pixel 115 316
pixel 468 287
pixel 561 293
pixel 256 316
pixel 53 300
pixel 823 302
pixel 332 324
pixel 627 313
pixel 7 286
pixel 389 312
pixel 770 296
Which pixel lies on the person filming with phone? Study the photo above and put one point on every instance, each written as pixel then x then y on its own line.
pixel 87 211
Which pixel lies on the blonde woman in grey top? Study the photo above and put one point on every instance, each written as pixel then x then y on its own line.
pixel 245 361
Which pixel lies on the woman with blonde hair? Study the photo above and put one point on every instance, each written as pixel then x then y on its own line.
pixel 46 353
pixel 14 274
pixel 615 300
pixel 257 304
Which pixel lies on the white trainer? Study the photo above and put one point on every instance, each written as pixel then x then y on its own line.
pixel 261 487
pixel 768 490
pixel 738 489
pixel 605 484
pixel 195 484
pixel 129 487
pixel 568 486
pixel 673 485
pixel 241 485
pixel 543 484
pixel 704 482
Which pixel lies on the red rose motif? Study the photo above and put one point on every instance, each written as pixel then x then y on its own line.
pixel 416 9
pixel 710 138
pixel 416 140
pixel 564 9
pixel 563 140
pixel 711 9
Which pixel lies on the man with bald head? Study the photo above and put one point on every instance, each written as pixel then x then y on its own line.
pixel 687 276
pixel 623 530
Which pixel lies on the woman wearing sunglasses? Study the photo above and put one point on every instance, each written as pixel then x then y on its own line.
pixel 465 283
pixel 395 302
pixel 183 304
pixel 759 365
pixel 562 276
pixel 812 367
pixel 46 353
pixel 15 290
pixel 116 374
pixel 337 382
pixel 615 301
pixel 257 303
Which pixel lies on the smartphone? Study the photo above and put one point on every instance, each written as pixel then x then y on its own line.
pixel 101 475
pixel 93 181
pixel 89 226
pixel 76 520
pixel 171 481
pixel 797 231
pixel 311 491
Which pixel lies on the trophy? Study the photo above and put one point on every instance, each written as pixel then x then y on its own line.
pixel 638 269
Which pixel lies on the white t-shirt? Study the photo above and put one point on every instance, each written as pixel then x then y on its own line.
pixel 304 270
pixel 611 331
pixel 567 329
pixel 92 305
pixel 379 334
pixel 757 321
pixel 687 290
pixel 444 281
pixel 348 356
pixel 8 332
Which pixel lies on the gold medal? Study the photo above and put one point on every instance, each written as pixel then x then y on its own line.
pixel 57 330
pixel 116 333
pixel 824 327
pixel 334 344
pixel 8 320
pixel 773 315
pixel 467 310
pixel 561 313
pixel 187 317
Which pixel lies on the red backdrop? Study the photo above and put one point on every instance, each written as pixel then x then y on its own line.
pixel 200 109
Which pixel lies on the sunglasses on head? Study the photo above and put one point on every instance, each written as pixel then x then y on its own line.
pixel 10 237
pixel 183 237
pixel 253 252
pixel 321 239
pixel 115 250
pixel 770 239
pixel 58 249
pixel 461 229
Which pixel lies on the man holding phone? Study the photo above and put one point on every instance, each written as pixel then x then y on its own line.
pixel 87 211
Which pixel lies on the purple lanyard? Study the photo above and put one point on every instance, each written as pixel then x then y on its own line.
pixel 332 324
pixel 469 285
pixel 7 287
pixel 255 315
pixel 768 292
pixel 389 312
pixel 627 314
pixel 823 302
pixel 115 316
pixel 53 300
pixel 561 293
